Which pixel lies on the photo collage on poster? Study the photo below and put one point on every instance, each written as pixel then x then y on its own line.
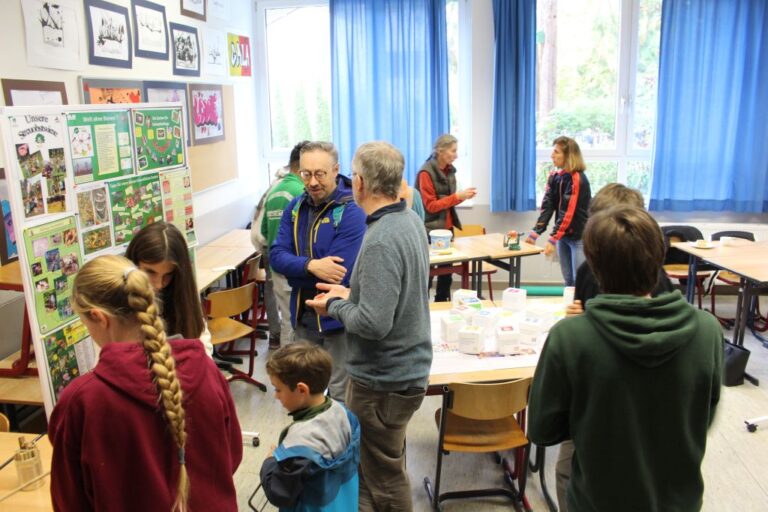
pixel 54 256
pixel 38 142
pixel 100 145
pixel 95 221
pixel 135 202
pixel 70 353
pixel 176 189
pixel 159 138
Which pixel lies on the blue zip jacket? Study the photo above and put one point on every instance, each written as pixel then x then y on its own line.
pixel 337 229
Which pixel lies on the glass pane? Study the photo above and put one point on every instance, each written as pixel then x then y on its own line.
pixel 646 82
pixel 452 31
pixel 639 177
pixel 577 71
pixel 299 87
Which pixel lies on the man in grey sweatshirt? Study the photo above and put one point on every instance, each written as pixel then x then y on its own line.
pixel 386 315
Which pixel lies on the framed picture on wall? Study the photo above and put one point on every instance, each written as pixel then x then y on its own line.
pixel 206 111
pixel 186 50
pixel 149 29
pixel 109 34
pixel 33 92
pixel 99 91
pixel 193 9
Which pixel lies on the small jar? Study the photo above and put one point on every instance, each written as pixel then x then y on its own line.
pixel 29 465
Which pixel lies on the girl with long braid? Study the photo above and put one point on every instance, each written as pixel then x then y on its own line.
pixel 153 426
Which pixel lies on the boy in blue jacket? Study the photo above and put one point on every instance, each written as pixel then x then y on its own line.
pixel 319 237
pixel 315 466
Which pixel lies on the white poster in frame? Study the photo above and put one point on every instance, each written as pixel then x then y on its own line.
pixel 150 30
pixel 53 34
pixel 186 50
pixel 215 52
pixel 219 9
pixel 109 34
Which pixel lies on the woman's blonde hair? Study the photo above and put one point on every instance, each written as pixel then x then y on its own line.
pixel 114 285
pixel 572 153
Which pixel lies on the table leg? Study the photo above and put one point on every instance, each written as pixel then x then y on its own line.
pixel 690 288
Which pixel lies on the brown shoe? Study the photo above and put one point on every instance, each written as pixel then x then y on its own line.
pixel 274 342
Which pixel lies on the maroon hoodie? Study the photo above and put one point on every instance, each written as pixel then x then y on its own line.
pixel 112 448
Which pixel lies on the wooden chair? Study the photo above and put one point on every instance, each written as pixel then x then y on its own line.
pixel 5 424
pixel 676 262
pixel 222 308
pixel 483 418
pixel 474 230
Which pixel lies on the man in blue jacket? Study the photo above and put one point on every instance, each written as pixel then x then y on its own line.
pixel 319 237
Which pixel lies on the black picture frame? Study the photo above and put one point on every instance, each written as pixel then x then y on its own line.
pixel 191 47
pixel 160 9
pixel 115 33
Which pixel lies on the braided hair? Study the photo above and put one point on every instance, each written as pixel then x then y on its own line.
pixel 114 285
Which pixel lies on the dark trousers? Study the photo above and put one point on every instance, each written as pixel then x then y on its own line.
pixel 384 417
pixel 443 290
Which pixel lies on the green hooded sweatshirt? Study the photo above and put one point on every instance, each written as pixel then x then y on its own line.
pixel 634 382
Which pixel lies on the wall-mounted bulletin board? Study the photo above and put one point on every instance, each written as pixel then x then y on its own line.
pixel 215 163
pixel 81 181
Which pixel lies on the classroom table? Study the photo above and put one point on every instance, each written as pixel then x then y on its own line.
pixel 490 248
pixel 38 499
pixel 744 258
pixel 10 279
pixel 437 381
pixel 234 238
pixel 212 262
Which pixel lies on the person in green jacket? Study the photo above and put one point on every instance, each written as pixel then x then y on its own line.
pixel 277 199
pixel 634 382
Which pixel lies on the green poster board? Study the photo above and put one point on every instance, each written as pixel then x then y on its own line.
pixel 100 145
pixel 135 203
pixel 54 255
pixel 176 189
pixel 159 136
pixel 70 353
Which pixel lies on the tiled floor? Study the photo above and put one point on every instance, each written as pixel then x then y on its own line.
pixel 735 466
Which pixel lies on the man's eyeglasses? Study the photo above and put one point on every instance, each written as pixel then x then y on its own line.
pixel 307 175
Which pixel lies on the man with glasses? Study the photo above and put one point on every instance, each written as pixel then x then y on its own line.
pixel 318 240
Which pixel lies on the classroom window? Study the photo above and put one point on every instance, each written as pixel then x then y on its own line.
pixel 459 85
pixel 597 75
pixel 295 87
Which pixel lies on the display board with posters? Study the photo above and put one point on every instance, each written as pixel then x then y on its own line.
pixel 78 188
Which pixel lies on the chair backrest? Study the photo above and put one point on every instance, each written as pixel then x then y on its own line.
pixel 679 233
pixel 5 424
pixel 489 401
pixel 469 230
pixel 746 235
pixel 251 268
pixel 227 303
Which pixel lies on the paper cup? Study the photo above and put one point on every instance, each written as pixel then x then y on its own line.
pixel 568 294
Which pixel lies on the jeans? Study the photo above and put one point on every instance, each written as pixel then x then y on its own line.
pixel 571 254
pixel 384 417
pixel 336 344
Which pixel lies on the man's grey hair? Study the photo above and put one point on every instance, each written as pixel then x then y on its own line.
pixel 381 166
pixel 444 141
pixel 318 145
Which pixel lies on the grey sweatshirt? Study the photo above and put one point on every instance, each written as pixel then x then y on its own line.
pixel 387 314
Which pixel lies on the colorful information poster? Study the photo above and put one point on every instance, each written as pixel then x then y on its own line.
pixel 100 144
pixel 239 55
pixel 159 138
pixel 95 225
pixel 54 256
pixel 135 203
pixel 176 187
pixel 39 145
pixel 70 353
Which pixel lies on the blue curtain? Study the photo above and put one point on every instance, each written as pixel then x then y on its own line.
pixel 513 153
pixel 712 136
pixel 389 63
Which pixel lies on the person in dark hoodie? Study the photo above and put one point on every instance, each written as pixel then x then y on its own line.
pixel 634 382
pixel 318 240
pixel 132 436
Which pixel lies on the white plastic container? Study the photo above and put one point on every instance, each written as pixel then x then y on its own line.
pixel 530 328
pixel 450 327
pixel 465 311
pixel 440 239
pixel 463 293
pixel 471 340
pixel 472 302
pixel 507 339
pixel 486 320
pixel 513 299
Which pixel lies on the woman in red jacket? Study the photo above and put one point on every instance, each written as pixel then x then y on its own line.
pixel 567 195
pixel 153 426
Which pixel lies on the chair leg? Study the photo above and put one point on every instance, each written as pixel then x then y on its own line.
pixel 236 374
pixel 490 287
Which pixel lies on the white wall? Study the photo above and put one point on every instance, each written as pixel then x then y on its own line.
pixel 218 209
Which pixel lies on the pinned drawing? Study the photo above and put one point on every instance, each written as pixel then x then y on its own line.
pixel 215 57
pixel 150 30
pixel 207 113
pixel 52 34
pixel 186 50
pixel 108 34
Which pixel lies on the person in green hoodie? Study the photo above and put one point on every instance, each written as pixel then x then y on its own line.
pixel 634 382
